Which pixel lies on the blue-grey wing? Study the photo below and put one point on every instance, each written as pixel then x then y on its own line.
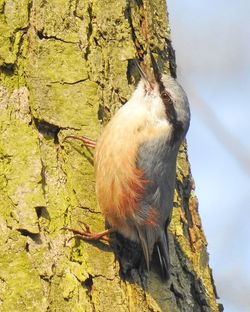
pixel 159 166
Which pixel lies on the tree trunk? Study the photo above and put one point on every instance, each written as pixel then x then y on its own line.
pixel 66 66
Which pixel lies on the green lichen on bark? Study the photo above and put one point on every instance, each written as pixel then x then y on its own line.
pixel 14 18
pixel 65 68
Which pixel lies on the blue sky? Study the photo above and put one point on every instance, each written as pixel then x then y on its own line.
pixel 212 43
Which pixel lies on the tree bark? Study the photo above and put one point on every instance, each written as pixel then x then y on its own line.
pixel 65 67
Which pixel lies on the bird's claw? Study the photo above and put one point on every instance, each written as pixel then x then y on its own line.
pixel 88 235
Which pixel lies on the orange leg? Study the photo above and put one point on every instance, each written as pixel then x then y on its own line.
pixel 88 236
pixel 88 142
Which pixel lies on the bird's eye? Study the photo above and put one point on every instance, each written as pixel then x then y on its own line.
pixel 165 95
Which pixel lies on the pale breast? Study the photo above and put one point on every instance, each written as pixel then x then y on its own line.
pixel 120 184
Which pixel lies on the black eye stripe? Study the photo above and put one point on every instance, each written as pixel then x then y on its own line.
pixel 166 98
pixel 171 114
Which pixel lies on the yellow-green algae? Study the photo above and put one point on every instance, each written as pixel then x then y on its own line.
pixel 14 16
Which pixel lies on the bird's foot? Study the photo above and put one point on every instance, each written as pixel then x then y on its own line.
pixel 88 142
pixel 88 235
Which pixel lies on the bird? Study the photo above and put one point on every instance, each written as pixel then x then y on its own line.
pixel 135 163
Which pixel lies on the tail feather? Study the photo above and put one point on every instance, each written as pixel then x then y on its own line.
pixel 145 246
pixel 163 253
pixel 148 239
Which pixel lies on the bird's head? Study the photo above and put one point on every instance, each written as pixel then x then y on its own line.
pixel 164 97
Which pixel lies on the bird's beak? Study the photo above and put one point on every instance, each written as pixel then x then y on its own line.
pixel 157 73
pixel 149 83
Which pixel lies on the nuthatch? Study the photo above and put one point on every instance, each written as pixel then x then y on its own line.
pixel 135 163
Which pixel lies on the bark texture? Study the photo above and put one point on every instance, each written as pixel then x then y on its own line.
pixel 65 67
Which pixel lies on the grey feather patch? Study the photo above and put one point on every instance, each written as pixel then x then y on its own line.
pixel 144 244
pixel 149 238
pixel 163 253
pixel 158 162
